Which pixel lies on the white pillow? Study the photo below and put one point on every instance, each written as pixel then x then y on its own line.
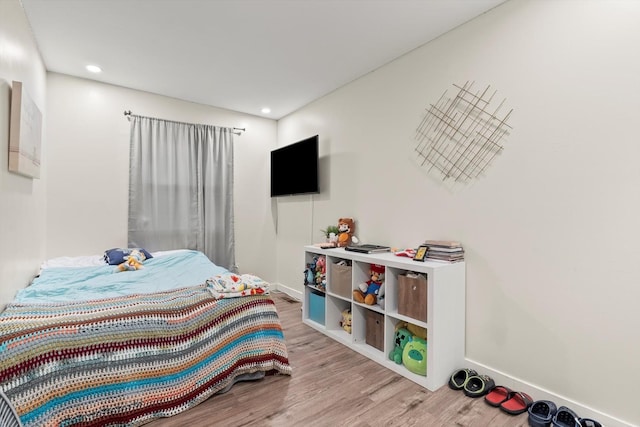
pixel 163 253
pixel 74 261
pixel 92 260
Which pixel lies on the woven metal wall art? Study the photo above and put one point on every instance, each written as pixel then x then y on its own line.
pixel 459 136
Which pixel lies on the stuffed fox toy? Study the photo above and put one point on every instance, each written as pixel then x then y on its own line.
pixel 132 262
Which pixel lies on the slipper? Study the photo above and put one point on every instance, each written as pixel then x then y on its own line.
pixel 541 413
pixel 517 403
pixel 565 417
pixel 459 378
pixel 498 395
pixel 588 422
pixel 478 385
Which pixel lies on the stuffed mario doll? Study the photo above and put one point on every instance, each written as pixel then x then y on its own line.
pixel 368 292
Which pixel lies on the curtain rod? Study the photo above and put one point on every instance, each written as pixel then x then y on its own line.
pixel 128 114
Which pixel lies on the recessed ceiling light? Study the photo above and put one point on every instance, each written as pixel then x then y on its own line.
pixel 266 110
pixel 94 68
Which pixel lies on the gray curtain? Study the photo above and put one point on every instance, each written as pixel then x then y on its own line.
pixel 181 188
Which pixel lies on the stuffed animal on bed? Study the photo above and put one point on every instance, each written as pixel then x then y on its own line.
pixel 132 262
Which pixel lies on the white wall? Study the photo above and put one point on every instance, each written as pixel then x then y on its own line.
pixel 550 232
pixel 22 199
pixel 88 160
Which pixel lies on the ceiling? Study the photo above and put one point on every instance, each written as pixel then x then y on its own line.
pixel 241 55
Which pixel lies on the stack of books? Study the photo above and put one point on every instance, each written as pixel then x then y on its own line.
pixel 444 250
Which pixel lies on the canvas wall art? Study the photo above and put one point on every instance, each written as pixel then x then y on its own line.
pixel 25 133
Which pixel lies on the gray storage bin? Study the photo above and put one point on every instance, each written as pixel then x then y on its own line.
pixel 340 280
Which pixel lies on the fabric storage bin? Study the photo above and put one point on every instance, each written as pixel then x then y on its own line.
pixel 412 297
pixel 316 307
pixel 340 283
pixel 374 335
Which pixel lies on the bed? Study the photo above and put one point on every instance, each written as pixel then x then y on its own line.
pixel 85 345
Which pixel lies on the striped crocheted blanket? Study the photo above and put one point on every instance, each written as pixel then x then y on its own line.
pixel 129 360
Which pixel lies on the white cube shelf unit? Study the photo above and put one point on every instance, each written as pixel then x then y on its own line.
pixel 445 310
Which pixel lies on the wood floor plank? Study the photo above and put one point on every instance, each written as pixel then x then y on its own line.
pixel 333 386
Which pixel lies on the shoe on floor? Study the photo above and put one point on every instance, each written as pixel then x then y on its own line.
pixel 478 385
pixel 541 413
pixel 565 417
pixel 498 395
pixel 517 403
pixel 459 378
pixel 588 422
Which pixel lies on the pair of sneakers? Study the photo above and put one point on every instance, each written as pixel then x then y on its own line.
pixel 474 385
pixel 544 413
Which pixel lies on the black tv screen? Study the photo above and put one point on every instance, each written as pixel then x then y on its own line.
pixel 294 168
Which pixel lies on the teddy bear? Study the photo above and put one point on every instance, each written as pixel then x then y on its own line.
pixel 402 337
pixel 132 262
pixel 346 229
pixel 367 292
pixel 345 323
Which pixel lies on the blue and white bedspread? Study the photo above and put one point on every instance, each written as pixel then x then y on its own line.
pixel 177 270
pixel 126 360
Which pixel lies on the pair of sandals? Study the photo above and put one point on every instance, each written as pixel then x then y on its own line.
pixel 511 402
pixel 474 385
pixel 544 413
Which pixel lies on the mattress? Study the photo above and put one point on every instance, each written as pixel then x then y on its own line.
pixel 161 273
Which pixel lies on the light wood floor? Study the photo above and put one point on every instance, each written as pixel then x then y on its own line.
pixel 332 385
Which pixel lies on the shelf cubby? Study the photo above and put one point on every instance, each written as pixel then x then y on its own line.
pixel 436 304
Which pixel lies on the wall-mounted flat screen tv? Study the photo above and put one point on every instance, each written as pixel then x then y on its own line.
pixel 294 168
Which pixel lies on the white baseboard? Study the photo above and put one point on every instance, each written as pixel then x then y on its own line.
pixel 538 393
pixel 293 293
